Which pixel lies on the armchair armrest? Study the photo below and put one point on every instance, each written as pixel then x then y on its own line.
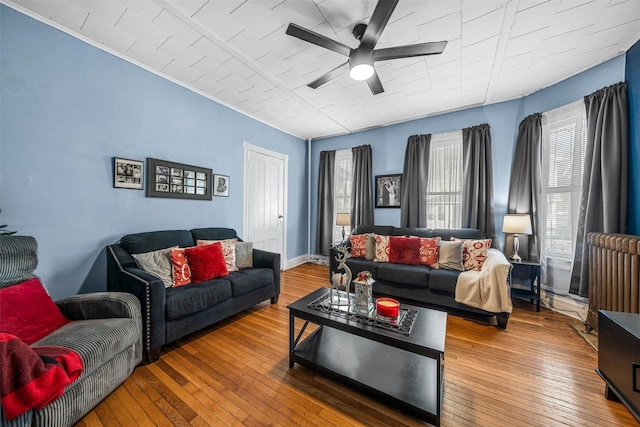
pixel 264 259
pixel 100 305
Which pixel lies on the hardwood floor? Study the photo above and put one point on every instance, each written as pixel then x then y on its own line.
pixel 537 372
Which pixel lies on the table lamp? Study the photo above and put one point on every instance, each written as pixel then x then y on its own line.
pixel 343 219
pixel 516 224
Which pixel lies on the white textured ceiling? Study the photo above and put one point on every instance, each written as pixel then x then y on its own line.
pixel 237 53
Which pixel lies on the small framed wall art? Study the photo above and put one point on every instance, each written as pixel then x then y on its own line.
pixel 388 190
pixel 177 180
pixel 221 185
pixel 128 173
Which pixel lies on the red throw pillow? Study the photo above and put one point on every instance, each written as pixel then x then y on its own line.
pixel 28 312
pixel 429 251
pixel 404 250
pixel 358 245
pixel 180 267
pixel 206 262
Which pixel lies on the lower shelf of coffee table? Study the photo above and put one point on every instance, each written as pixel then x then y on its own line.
pixel 400 378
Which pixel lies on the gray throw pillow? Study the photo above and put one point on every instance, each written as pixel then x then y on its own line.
pixel 244 254
pixel 451 255
pixel 157 263
pixel 370 246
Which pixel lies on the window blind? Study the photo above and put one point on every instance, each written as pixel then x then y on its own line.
pixel 342 189
pixel 444 181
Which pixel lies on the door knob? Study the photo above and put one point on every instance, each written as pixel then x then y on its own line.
pixel 280 216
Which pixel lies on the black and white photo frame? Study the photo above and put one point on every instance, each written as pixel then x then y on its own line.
pixel 221 185
pixel 128 173
pixel 178 180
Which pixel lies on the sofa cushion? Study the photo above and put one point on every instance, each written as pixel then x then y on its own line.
pixel 356 265
pixel 358 245
pixel 416 275
pixel 154 240
pixel 404 250
pixel 450 255
pixel 214 233
pixel 194 298
pixel 157 263
pixel 386 230
pixel 244 254
pixel 413 231
pixel 443 280
pixel 382 249
pixel 459 233
pixel 180 268
pixel 206 262
pixel 228 247
pixel 97 341
pixel 249 279
pixel 28 312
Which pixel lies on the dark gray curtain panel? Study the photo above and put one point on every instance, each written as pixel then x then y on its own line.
pixel 477 181
pixel 325 202
pixel 361 187
pixel 525 186
pixel 413 197
pixel 603 203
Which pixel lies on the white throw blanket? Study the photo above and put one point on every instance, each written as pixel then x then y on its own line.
pixel 487 289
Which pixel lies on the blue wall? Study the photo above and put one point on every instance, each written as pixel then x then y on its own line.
pixel 67 108
pixel 388 143
pixel 632 75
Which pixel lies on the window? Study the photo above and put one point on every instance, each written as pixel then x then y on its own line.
pixel 564 142
pixel 342 190
pixel 444 183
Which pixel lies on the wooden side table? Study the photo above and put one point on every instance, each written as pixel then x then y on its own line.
pixel 525 281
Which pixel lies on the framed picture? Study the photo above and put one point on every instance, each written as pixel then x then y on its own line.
pixel 128 173
pixel 177 180
pixel 388 190
pixel 221 185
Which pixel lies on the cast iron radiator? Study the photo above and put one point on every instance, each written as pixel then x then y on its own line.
pixel 614 274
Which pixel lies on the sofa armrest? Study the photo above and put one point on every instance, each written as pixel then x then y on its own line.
pixel 147 288
pixel 264 259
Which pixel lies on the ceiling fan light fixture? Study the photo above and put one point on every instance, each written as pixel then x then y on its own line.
pixel 361 65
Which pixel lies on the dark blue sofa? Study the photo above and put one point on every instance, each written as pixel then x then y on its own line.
pixel 171 313
pixel 418 285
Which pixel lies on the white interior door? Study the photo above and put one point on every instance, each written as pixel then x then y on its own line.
pixel 265 199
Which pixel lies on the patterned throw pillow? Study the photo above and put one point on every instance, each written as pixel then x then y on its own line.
pixel 429 251
pixel 474 252
pixel 404 250
pixel 228 250
pixel 181 270
pixel 358 245
pixel 382 249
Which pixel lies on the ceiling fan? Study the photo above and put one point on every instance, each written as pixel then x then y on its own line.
pixel 361 59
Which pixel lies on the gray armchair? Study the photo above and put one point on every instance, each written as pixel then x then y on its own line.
pixel 106 332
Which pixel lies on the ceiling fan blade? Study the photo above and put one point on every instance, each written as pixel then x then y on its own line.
pixel 327 76
pixel 378 21
pixel 317 39
pixel 431 48
pixel 375 84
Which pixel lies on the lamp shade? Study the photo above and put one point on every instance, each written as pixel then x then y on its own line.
pixel 517 224
pixel 343 219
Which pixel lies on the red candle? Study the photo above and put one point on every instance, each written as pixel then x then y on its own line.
pixel 387 307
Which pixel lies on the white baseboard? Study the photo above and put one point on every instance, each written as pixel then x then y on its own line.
pixel 569 306
pixel 299 260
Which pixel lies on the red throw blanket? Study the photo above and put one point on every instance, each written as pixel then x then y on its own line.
pixel 32 377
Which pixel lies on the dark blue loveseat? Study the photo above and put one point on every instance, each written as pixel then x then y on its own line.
pixel 171 313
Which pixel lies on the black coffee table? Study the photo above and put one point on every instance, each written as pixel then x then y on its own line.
pixel 404 369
